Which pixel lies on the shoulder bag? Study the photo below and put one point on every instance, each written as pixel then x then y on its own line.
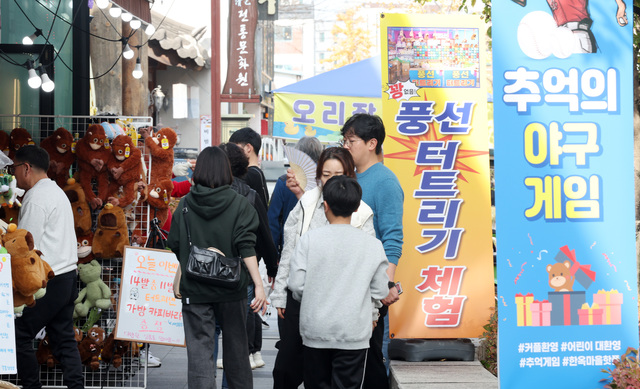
pixel 209 265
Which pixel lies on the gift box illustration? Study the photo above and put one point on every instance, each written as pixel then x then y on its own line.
pixel 523 302
pixel 565 306
pixel 611 303
pixel 590 316
pixel 582 273
pixel 541 313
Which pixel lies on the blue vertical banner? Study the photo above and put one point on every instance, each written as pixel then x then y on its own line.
pixel 565 215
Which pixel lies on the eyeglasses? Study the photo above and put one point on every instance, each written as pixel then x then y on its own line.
pixel 11 169
pixel 346 142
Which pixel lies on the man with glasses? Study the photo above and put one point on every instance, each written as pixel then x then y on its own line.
pixel 46 213
pixel 363 135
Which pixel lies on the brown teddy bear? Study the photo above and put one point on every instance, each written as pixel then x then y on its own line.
pixel 91 346
pixel 44 354
pixel 113 350
pixel 111 235
pixel 125 168
pixel 30 272
pixel 79 206
pixel 19 137
pixel 58 145
pixel 560 278
pixel 92 164
pixel 161 149
pixel 5 143
pixel 158 196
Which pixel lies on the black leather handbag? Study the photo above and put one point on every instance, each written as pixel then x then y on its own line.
pixel 209 265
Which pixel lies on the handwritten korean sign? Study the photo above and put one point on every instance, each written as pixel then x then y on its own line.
pixel 148 311
pixel 7 329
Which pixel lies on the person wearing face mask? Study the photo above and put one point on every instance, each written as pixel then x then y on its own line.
pixel 307 215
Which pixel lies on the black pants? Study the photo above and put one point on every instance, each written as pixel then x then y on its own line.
pixel 375 376
pixel 334 368
pixel 54 311
pixel 287 371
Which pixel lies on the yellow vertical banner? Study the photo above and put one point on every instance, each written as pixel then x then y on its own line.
pixel 434 105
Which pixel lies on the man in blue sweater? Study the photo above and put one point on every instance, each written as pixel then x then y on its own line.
pixel 363 135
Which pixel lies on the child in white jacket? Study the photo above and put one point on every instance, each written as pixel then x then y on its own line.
pixel 338 273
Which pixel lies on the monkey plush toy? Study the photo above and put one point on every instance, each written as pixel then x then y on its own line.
pixel 125 169
pixel 92 164
pixel 58 145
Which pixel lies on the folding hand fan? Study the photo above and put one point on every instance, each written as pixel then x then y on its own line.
pixel 303 166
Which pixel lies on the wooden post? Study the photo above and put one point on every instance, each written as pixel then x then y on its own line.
pixel 108 90
pixel 134 91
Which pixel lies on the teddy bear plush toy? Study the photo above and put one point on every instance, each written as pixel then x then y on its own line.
pixel 158 195
pixel 44 354
pixel 30 272
pixel 5 143
pixel 58 145
pixel 19 137
pixel 92 164
pixel 161 149
pixel 79 206
pixel 113 350
pixel 95 294
pixel 125 168
pixel 91 346
pixel 111 234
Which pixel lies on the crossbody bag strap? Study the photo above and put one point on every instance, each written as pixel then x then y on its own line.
pixel 185 211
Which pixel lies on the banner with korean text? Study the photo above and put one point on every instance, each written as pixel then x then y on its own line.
pixel 434 105
pixel 147 308
pixel 567 274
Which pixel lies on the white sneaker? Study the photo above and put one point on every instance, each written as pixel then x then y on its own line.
pixel 153 361
pixel 257 359
pixel 219 363
pixel 252 362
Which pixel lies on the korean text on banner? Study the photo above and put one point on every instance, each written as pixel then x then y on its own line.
pixel 563 109
pixel 8 364
pixel 435 113
pixel 148 311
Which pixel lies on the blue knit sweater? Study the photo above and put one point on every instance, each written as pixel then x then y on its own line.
pixel 382 192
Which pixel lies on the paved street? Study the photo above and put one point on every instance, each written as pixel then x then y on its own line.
pixel 173 372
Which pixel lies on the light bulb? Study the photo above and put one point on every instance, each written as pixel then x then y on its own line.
pixel 150 30
pixel 102 4
pixel 47 84
pixel 127 53
pixel 34 80
pixel 137 71
pixel 28 40
pixel 135 24
pixel 115 11
pixel 126 17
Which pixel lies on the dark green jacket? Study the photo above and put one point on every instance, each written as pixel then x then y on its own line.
pixel 218 218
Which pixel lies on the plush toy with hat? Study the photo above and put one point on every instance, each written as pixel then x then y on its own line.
pixel 91 346
pixel 58 145
pixel 30 272
pixel 112 234
pixel 125 168
pixel 93 152
pixel 18 138
pixel 95 294
pixel 160 147
pixel 79 206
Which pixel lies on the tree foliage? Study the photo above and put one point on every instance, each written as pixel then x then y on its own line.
pixel 353 41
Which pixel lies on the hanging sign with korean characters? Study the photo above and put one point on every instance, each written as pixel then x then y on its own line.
pixel 8 363
pixel 567 274
pixel 434 105
pixel 148 311
pixel 243 19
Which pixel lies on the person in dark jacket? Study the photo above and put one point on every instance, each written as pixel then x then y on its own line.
pixel 218 217
pixel 264 246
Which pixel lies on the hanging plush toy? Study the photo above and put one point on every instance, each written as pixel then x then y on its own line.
pixel 158 195
pixel 79 206
pixel 125 168
pixel 85 255
pixel 58 145
pixel 111 235
pixel 113 350
pixel 44 354
pixel 91 346
pixel 93 156
pixel 10 191
pixel 161 149
pixel 30 272
pixel 19 137
pixel 95 294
